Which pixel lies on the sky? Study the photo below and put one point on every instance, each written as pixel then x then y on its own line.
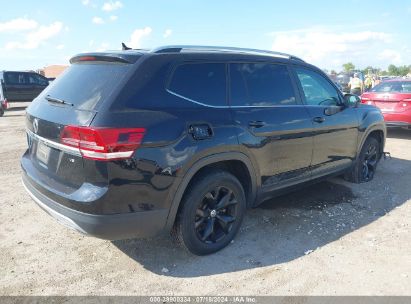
pixel 34 34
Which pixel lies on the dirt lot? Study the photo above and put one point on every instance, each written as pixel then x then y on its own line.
pixel 360 237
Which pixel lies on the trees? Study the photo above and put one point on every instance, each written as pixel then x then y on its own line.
pixel 349 66
pixel 393 70
pixel 369 69
pixel 398 70
pixel 404 70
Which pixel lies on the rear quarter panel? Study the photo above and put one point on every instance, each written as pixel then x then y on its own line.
pixel 371 119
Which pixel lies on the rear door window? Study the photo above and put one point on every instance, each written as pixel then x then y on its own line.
pixel 86 84
pixel 36 79
pixel 203 83
pixel 261 84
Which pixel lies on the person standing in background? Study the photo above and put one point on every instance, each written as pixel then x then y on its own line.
pixel 368 83
pixel 355 85
pixel 376 80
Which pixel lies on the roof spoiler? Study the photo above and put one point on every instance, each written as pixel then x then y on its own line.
pixel 99 57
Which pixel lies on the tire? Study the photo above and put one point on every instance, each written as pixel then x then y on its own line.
pixel 366 163
pixel 1 111
pixel 211 213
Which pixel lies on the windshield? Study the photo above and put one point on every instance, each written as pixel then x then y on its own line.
pixel 85 84
pixel 393 86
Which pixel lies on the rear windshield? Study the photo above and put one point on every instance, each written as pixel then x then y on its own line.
pixel 86 84
pixel 393 86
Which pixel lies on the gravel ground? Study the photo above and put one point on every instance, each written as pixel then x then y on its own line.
pixel 334 238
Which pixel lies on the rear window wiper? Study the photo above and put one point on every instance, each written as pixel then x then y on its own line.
pixel 58 100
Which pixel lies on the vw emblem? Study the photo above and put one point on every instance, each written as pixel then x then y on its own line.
pixel 35 125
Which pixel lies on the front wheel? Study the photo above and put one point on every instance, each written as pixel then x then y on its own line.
pixel 366 164
pixel 1 111
pixel 211 213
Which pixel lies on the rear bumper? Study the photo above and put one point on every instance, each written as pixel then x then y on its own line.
pixel 401 119
pixel 110 227
pixel 397 124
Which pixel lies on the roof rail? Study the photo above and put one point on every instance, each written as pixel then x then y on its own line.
pixel 202 48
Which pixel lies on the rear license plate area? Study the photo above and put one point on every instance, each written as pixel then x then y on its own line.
pixel 386 106
pixel 43 152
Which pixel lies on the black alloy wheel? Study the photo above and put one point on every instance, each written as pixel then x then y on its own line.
pixel 369 162
pixel 215 215
pixel 364 168
pixel 211 212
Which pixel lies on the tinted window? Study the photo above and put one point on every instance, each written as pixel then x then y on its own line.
pixel 86 84
pixel 260 84
pixel 36 79
pixel 317 90
pixel 15 78
pixel 201 82
pixel 393 86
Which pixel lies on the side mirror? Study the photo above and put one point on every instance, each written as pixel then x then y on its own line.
pixel 351 100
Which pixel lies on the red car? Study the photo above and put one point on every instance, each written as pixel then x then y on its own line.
pixel 393 97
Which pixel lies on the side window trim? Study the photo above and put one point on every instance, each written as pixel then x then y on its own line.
pixel 194 101
pixel 301 91
pixel 298 99
pixel 26 79
pixel 179 63
pixel 297 94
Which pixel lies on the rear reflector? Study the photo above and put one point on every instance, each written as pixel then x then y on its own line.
pixel 103 143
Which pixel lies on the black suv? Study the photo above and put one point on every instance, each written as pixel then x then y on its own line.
pixel 20 87
pixel 184 139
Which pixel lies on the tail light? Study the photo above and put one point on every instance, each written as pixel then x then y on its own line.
pixel 5 104
pixel 406 102
pixel 103 143
pixel 367 101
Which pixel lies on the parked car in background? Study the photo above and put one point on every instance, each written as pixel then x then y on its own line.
pixel 184 139
pixel 342 80
pixel 19 87
pixel 393 97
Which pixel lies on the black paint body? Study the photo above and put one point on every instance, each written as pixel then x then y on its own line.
pixel 288 149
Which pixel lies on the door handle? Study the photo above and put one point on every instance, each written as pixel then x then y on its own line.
pixel 319 119
pixel 256 123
